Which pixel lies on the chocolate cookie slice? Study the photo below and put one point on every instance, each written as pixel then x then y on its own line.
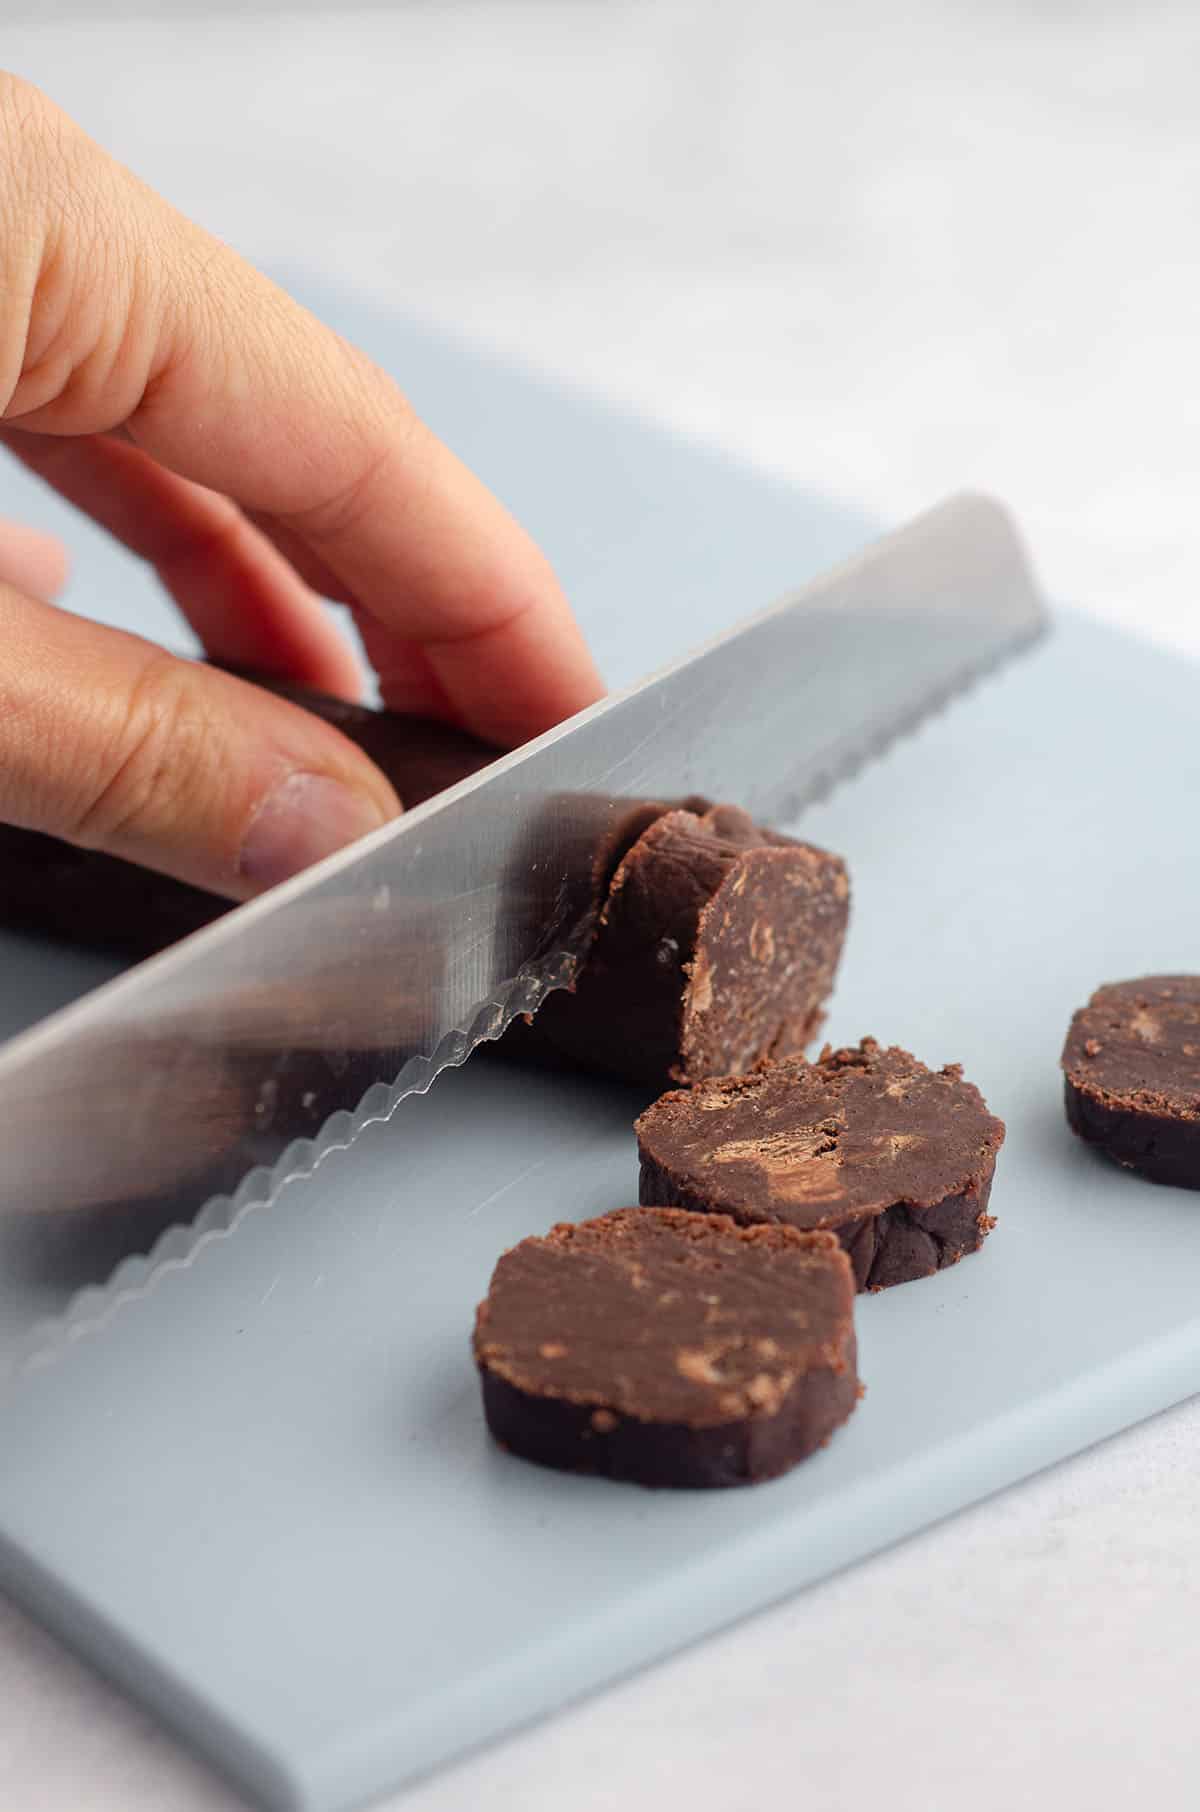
pixel 893 1158
pixel 1132 1068
pixel 667 1349
pixel 716 947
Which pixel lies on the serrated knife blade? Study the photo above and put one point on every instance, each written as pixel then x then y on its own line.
pixel 397 956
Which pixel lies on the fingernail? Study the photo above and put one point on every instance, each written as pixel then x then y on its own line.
pixel 307 817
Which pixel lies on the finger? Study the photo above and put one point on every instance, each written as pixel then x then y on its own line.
pixel 107 741
pixel 409 684
pixel 408 680
pixel 123 313
pixel 242 598
pixel 437 566
pixel 410 535
pixel 301 558
pixel 32 561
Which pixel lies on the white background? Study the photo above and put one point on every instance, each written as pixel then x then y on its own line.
pixel 887 251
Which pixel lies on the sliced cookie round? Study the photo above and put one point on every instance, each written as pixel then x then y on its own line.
pixel 717 946
pixel 1132 1068
pixel 668 1349
pixel 893 1158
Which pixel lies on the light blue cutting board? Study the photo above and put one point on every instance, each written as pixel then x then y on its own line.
pixel 261 1494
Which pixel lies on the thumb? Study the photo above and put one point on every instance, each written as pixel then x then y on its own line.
pixel 111 743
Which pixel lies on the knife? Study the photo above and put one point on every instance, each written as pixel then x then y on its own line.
pixel 249 1051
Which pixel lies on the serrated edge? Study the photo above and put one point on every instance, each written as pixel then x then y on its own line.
pixel 95 1306
pixel 177 1247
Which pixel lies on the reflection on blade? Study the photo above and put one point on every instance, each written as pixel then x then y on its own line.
pixel 355 983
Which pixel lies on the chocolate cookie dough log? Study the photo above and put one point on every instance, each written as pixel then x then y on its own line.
pixel 668 1349
pixel 1132 1076
pixel 88 898
pixel 716 947
pixel 67 1177
pixel 894 1159
pixel 73 1208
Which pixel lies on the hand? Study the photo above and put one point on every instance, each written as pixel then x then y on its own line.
pixel 259 463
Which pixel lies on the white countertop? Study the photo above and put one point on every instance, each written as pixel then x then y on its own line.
pixel 887 252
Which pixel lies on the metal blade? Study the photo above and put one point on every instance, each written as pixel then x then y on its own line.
pixel 356 983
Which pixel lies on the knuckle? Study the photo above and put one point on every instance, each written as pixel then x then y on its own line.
pixel 62 261
pixel 383 458
pixel 38 136
pixel 337 517
pixel 160 750
pixel 23 106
